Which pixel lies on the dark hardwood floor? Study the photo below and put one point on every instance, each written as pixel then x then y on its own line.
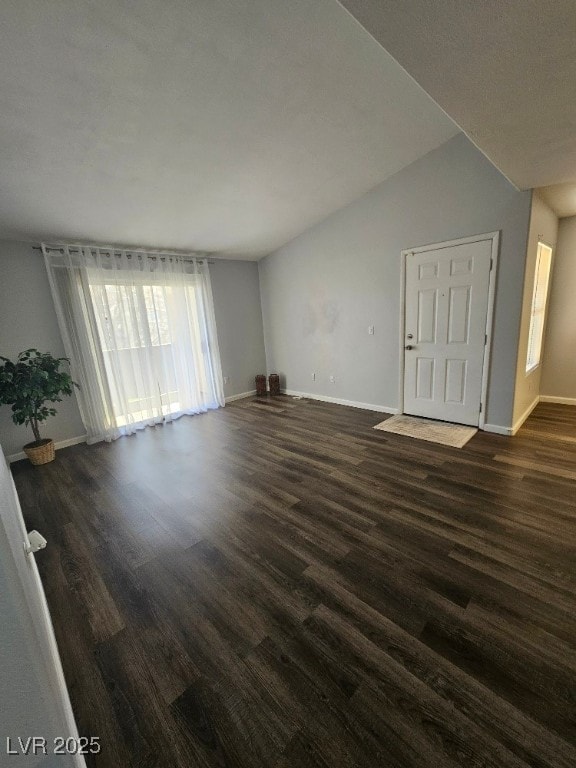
pixel 276 584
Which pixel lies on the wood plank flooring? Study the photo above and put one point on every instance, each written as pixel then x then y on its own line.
pixel 276 585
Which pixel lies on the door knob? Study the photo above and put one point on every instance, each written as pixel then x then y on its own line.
pixel 409 347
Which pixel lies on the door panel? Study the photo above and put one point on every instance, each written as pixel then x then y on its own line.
pixel 427 315
pixel 445 324
pixel 425 378
pixel 459 315
pixel 455 381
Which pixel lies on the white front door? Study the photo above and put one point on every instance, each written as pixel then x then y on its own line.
pixel 447 290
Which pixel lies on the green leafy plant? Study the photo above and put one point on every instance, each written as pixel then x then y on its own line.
pixel 29 383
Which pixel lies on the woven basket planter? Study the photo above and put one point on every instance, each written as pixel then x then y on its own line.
pixel 40 453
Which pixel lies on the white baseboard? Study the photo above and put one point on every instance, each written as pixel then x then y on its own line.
pixel 57 445
pixel 518 423
pixel 240 396
pixel 559 400
pixel 494 428
pixel 339 401
pixel 497 429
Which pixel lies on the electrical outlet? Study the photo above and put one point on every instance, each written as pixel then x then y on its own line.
pixel 313 377
pixel 371 330
pixel 333 379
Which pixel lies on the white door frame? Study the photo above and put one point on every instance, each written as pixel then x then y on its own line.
pixel 48 665
pixel 494 237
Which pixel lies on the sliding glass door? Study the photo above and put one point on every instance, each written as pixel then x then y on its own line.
pixel 148 324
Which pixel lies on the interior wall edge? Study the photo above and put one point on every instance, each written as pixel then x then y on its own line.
pixel 558 400
pixel 240 396
pixel 341 401
pixel 12 457
pixel 522 418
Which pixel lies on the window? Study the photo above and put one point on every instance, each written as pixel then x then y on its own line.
pixel 133 315
pixel 138 327
pixel 538 312
pixel 141 335
pixel 133 326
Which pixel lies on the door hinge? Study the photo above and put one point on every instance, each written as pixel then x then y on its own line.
pixel 485 339
pixel 480 411
pixel 491 264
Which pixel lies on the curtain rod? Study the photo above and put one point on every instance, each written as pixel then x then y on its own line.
pixel 115 251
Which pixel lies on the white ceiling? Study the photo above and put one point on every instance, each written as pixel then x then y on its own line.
pixel 222 125
pixel 504 71
pixel 561 198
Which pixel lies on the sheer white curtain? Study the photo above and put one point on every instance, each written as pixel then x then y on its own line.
pixel 140 332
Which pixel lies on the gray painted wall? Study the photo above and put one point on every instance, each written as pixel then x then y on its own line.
pixel 322 291
pixel 28 319
pixel 559 366
pixel 238 311
pixel 543 228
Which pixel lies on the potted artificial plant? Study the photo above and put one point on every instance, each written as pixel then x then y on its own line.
pixel 27 385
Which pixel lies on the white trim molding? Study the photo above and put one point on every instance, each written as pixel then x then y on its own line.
pixel 559 400
pixel 242 395
pixel 496 429
pixel 57 445
pixel 339 401
pixel 518 423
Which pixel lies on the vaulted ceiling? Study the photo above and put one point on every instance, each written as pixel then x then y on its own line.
pixel 233 125
pixel 504 71
pixel 222 125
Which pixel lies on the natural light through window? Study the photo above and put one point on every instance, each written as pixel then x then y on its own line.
pixel 142 334
pixel 538 313
pixel 138 326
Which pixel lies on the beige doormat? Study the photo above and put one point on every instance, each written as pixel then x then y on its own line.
pixel 454 435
